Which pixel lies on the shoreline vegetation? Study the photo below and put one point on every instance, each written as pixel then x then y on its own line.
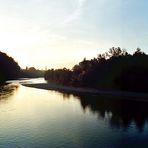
pixel 115 70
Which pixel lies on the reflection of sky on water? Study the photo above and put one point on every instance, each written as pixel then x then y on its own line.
pixel 28 81
pixel 40 118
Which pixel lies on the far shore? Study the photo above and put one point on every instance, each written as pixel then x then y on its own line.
pixel 77 90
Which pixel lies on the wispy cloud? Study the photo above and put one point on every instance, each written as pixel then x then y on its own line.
pixel 77 13
pixel 81 2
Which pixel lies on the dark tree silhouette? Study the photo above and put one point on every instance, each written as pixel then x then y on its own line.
pixel 62 76
pixel 31 72
pixel 115 69
pixel 9 69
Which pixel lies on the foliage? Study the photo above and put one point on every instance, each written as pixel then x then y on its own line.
pixel 31 72
pixel 62 76
pixel 9 69
pixel 115 69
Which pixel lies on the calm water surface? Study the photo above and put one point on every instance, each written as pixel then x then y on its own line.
pixel 31 118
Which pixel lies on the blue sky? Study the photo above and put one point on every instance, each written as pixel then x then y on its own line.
pixel 58 33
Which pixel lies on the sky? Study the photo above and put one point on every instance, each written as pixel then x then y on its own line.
pixel 60 33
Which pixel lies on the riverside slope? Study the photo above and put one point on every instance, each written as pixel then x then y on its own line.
pixel 78 90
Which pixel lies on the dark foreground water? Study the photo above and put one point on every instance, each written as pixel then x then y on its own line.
pixel 34 118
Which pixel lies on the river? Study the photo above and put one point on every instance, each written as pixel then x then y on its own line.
pixel 35 118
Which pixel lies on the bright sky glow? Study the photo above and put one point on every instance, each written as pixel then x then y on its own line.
pixel 60 33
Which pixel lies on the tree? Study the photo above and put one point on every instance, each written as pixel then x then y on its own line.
pixel 9 69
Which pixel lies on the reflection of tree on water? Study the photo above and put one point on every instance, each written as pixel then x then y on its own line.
pixel 120 112
pixel 7 90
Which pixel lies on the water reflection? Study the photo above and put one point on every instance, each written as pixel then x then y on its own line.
pixel 123 111
pixel 7 90
pixel 119 112
pixel 32 117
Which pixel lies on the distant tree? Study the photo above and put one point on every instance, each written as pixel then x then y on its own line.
pixel 31 72
pixel 31 69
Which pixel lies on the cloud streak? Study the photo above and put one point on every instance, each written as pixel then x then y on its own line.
pixel 76 14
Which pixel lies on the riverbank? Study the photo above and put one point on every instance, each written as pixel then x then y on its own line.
pixel 77 90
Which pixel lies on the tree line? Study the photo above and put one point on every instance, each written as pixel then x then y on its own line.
pixel 31 72
pixel 113 70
